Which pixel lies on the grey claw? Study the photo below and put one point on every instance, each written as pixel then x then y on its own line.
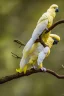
pixel 34 67
pixel 43 69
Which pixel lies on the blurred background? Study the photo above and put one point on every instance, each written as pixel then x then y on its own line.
pixel 18 19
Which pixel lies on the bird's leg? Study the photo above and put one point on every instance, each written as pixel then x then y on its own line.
pixel 41 57
pixel 42 68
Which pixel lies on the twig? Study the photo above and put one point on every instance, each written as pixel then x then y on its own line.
pixel 29 72
pixel 41 41
pixel 54 25
pixel 20 43
pixel 16 56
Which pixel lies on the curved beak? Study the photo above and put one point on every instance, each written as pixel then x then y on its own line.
pixel 57 10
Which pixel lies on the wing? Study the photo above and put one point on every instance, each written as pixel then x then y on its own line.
pixel 41 26
pixel 42 18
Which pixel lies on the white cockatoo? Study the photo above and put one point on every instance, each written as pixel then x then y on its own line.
pixel 43 24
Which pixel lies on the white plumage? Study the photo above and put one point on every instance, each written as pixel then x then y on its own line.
pixel 37 50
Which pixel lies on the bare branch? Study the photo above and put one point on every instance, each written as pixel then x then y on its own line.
pixel 20 43
pixel 29 72
pixel 16 56
pixel 53 26
pixel 40 40
pixel 32 71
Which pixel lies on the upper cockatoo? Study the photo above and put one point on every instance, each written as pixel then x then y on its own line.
pixel 43 24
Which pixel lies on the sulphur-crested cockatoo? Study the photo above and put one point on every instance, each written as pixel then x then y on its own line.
pixel 43 24
pixel 34 52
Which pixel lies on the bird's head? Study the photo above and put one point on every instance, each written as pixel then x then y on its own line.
pixel 55 37
pixel 53 9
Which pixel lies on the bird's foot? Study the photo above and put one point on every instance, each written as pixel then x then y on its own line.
pixel 43 69
pixel 18 70
pixel 35 67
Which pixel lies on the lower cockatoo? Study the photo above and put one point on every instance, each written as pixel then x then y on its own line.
pixel 35 56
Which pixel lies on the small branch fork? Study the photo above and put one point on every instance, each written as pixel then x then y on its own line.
pixel 32 71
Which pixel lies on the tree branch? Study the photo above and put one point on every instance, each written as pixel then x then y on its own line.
pixel 32 71
pixel 29 72
pixel 40 40
pixel 53 26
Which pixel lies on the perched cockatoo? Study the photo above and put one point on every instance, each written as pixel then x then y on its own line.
pixel 34 52
pixel 43 24
pixel 52 40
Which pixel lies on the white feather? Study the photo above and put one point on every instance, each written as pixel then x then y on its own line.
pixel 28 45
pixel 42 55
pixel 39 29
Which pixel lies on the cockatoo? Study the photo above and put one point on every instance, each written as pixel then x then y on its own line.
pixel 43 24
pixel 52 40
pixel 34 53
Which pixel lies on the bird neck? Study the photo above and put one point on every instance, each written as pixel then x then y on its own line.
pixel 51 13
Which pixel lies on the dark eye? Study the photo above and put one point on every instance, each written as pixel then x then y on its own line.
pixel 55 41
